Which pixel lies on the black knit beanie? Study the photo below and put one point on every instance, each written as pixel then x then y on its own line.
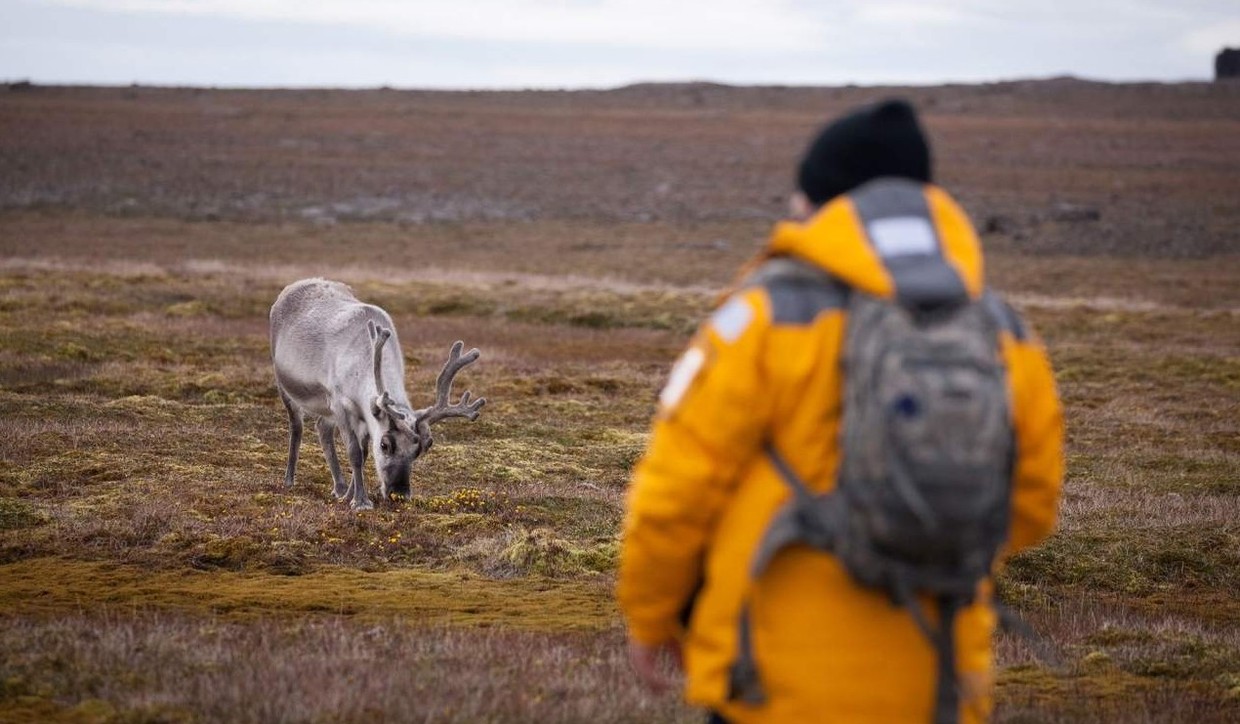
pixel 884 139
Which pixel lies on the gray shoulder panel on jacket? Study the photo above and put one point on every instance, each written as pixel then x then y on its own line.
pixel 798 291
pixel 887 197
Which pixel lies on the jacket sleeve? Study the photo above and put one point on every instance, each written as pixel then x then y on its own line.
pixel 1038 421
pixel 709 426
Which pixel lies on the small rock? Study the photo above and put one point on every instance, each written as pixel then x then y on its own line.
pixel 1074 213
pixel 998 224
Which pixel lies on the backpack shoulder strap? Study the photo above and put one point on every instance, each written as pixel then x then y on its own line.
pixel 786 473
pixel 1005 318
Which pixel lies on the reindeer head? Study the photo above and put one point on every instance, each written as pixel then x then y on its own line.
pixel 405 433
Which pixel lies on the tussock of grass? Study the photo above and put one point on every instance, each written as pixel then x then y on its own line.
pixel 519 551
pixel 191 308
pixel 1136 561
pixel 241 553
pixel 15 514
pixel 1187 658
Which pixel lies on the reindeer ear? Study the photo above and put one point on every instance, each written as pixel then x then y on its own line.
pixel 377 408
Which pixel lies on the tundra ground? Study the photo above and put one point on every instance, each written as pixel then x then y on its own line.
pixel 154 568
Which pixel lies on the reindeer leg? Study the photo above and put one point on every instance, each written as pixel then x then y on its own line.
pixel 295 426
pixel 327 439
pixel 357 461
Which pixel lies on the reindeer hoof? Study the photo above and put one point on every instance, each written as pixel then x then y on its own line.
pixel 363 505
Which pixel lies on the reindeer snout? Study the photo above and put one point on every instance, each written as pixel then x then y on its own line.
pixel 398 492
pixel 396 480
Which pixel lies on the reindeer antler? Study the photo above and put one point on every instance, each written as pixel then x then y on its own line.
pixel 379 336
pixel 443 389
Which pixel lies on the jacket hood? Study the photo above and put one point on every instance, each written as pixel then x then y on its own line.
pixel 893 238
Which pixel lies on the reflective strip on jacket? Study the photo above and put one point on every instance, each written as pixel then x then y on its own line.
pixel 766 366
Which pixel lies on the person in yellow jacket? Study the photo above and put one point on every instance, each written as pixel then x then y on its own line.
pixel 765 369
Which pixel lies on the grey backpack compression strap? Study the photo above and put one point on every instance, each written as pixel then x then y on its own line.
pixel 947 692
pixel 785 471
pixel 795 522
pixel 792 524
pixel 744 684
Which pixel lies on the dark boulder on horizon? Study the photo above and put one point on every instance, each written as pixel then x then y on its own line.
pixel 1227 64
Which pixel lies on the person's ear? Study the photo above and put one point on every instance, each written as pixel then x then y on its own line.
pixel 800 207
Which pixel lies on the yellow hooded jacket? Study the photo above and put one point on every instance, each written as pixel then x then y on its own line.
pixel 766 367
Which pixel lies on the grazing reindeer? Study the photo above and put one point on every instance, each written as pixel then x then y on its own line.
pixel 327 348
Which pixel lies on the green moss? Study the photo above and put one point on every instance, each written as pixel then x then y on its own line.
pixel 1188 657
pixel 1230 682
pixel 51 585
pixel 1133 560
pixel 192 308
pixel 76 352
pixel 94 710
pixel 15 514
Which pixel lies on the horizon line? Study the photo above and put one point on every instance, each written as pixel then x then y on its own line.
pixel 516 88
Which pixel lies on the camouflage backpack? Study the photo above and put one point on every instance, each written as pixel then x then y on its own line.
pixel 921 502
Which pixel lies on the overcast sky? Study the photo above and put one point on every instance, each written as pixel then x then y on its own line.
pixel 606 43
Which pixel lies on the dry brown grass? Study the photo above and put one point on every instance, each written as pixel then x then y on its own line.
pixel 1115 664
pixel 143 453
pixel 153 568
pixel 117 666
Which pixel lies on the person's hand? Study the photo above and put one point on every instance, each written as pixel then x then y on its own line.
pixel 644 658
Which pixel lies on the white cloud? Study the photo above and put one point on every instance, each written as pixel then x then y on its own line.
pixel 928 16
pixel 756 25
pixel 1212 38
pixel 599 43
